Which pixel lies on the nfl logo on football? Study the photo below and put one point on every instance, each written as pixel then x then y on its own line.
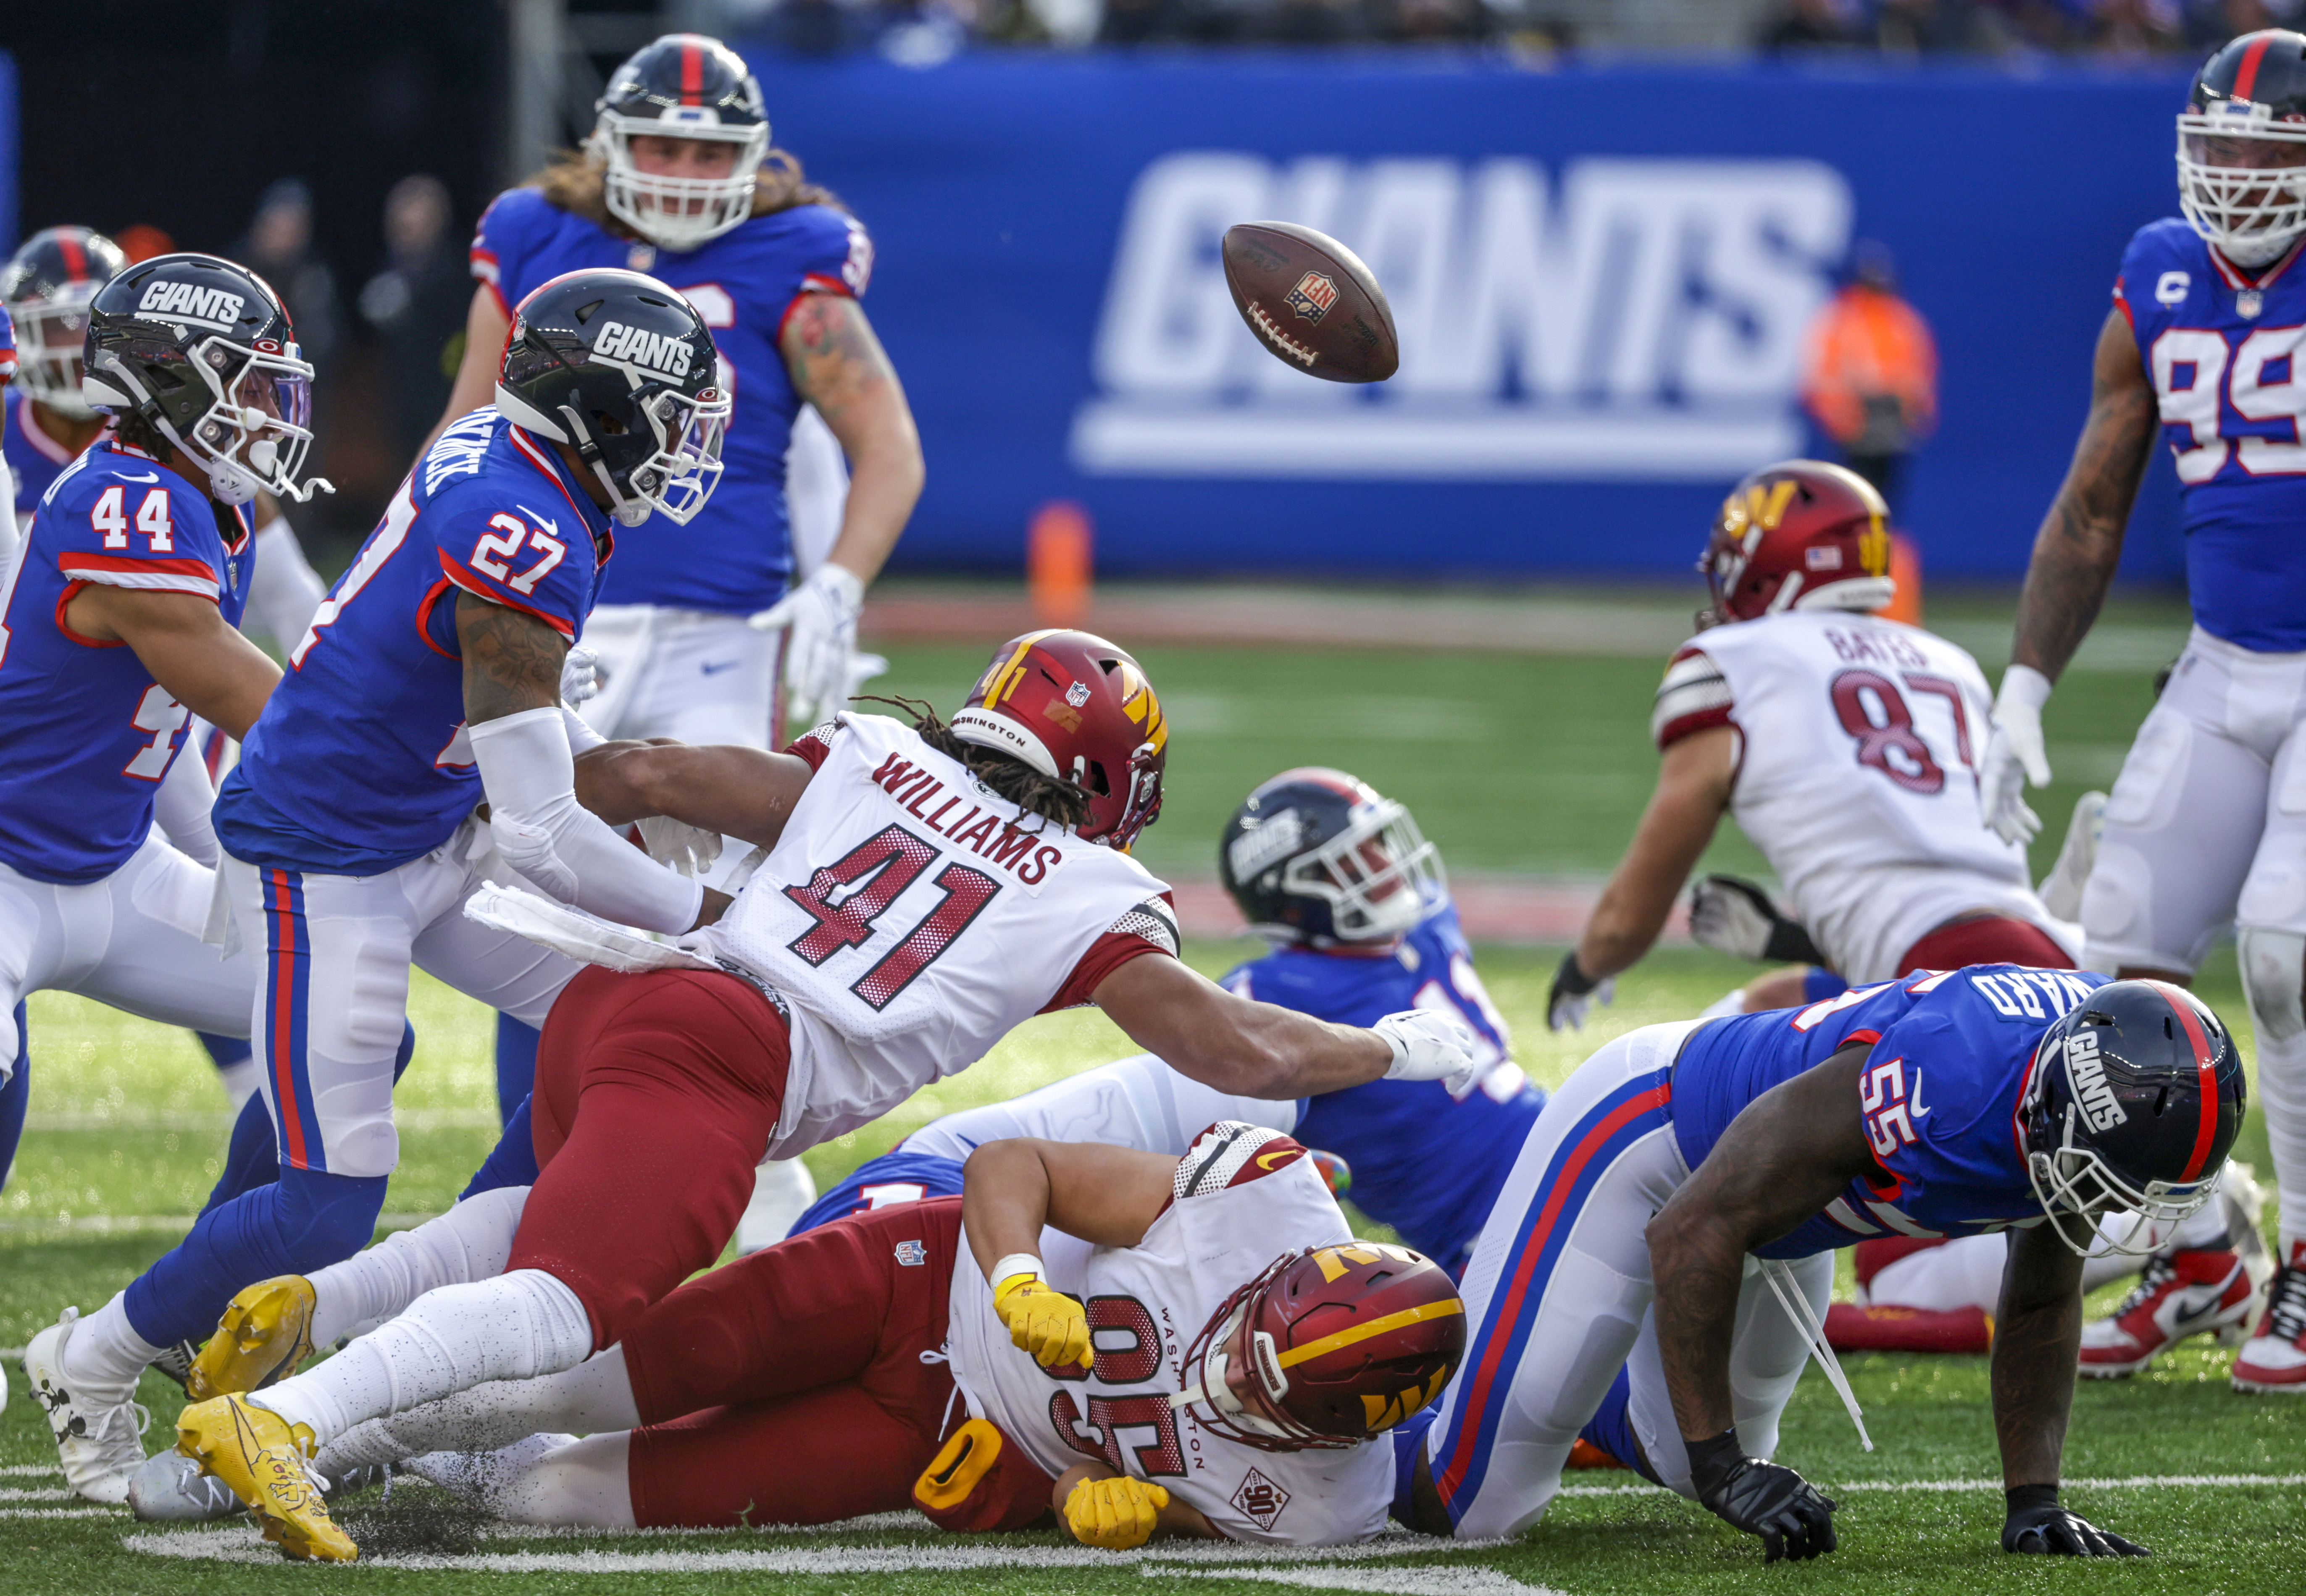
pixel 1312 296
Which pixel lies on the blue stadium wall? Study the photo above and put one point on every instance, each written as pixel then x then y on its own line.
pixel 1600 278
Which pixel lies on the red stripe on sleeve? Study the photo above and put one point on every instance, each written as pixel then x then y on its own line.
pixel 478 589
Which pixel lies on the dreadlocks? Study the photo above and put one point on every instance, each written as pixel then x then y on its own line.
pixel 1051 797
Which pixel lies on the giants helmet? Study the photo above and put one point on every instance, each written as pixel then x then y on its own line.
pixel 45 288
pixel 1343 1343
pixel 200 350
pixel 2133 1101
pixel 1074 706
pixel 1315 857
pixel 1800 535
pixel 684 86
pixel 2241 147
pixel 621 368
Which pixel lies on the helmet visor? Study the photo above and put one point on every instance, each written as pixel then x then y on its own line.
pixel 2241 182
pixel 259 428
pixel 678 479
pixel 50 338
pixel 1379 875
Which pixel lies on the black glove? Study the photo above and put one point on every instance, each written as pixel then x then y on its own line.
pixel 2036 1524
pixel 1790 1515
pixel 1731 915
pixel 1574 994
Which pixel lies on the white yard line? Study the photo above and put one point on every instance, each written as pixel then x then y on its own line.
pixel 21 1470
pixel 50 1493
pixel 2127 1482
pixel 59 1511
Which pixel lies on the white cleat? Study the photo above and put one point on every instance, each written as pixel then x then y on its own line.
pixel 97 1441
pixel 2062 889
pixel 171 1489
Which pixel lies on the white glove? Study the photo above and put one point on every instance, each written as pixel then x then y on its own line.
pixel 820 616
pixel 689 850
pixel 580 676
pixel 1430 1045
pixel 582 936
pixel 2014 750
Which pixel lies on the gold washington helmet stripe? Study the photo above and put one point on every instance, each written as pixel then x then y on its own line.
pixel 1006 676
pixel 1376 1327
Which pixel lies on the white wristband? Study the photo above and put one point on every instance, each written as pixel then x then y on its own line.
pixel 2023 685
pixel 1012 1266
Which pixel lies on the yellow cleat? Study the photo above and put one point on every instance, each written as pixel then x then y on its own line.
pixel 263 1459
pixel 265 1332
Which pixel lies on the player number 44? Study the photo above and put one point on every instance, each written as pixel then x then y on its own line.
pixel 164 718
pixel 109 516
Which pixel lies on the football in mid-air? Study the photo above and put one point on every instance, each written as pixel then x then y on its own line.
pixel 1311 302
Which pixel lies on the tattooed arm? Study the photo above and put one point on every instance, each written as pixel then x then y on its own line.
pixel 838 366
pixel 2081 540
pixel 520 744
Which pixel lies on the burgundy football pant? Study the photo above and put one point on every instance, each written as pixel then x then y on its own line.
pixel 789 1386
pixel 655 1097
pixel 1989 939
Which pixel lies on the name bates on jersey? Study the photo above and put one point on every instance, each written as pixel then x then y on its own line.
pixel 1229 1217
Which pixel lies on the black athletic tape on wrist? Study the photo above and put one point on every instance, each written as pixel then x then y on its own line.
pixel 1712 1459
pixel 2028 1498
pixel 1570 980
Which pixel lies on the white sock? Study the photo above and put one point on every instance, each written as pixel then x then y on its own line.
pixel 594 1397
pixel 104 1357
pixel 2282 1099
pixel 471 1242
pixel 513 1328
pixel 544 1480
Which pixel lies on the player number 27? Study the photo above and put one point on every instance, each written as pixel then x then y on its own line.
pixel 502 544
pixel 1873 711
pixel 848 896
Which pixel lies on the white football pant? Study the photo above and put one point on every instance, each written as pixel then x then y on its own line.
pixel 331 988
pixel 132 940
pixel 1558 1296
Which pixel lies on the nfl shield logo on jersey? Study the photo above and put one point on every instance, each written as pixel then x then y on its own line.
pixel 912 1254
pixel 1312 296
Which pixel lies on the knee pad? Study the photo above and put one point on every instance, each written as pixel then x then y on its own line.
pixel 2274 977
pixel 325 1218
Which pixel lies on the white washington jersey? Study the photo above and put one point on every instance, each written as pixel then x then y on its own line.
pixel 911 917
pixel 1860 741
pixel 1244 1195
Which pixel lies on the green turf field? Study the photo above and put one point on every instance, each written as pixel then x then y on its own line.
pixel 1512 764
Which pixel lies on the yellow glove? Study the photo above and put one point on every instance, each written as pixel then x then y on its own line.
pixel 1114 1514
pixel 1043 1321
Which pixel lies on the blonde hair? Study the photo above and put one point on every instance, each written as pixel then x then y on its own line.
pixel 572 181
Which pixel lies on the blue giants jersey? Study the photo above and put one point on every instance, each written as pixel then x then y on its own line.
pixel 360 762
pixel 85 732
pixel 734 557
pixel 35 459
pixel 2217 344
pixel 1947 1064
pixel 1425 1164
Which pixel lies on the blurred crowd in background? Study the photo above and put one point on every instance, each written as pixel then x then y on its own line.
pixel 924 31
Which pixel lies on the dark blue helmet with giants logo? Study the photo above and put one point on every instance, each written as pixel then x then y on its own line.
pixel 623 369
pixel 683 86
pixel 2241 147
pixel 2133 1100
pixel 199 350
pixel 1317 858
pixel 45 288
